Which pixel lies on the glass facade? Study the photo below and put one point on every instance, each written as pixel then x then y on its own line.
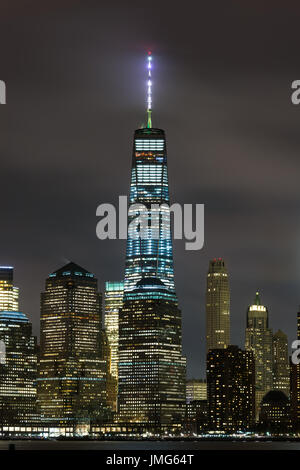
pixel 114 292
pixel 72 371
pixel 151 366
pixel 149 185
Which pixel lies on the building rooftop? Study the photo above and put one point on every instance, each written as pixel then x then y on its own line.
pixel 71 269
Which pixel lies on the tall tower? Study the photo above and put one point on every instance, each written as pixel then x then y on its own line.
pixel 295 386
pixel 281 368
pixel 72 373
pixel 114 291
pixel 18 370
pixel 259 339
pixel 151 365
pixel 217 306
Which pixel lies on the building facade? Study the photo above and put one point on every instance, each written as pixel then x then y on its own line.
pixel 295 386
pixel 151 365
pixel 72 371
pixel 18 367
pixel 114 292
pixel 153 255
pixel 281 367
pixel 217 306
pixel 274 416
pixel 9 294
pixel 259 340
pixel 230 389
pixel 196 389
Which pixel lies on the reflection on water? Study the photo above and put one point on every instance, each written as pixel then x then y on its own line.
pixel 150 445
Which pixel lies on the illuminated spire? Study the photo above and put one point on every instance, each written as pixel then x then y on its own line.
pixel 257 299
pixel 149 90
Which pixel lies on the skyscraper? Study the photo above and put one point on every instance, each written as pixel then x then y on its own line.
pixel 18 371
pixel 217 306
pixel 281 367
pixel 151 365
pixel 230 389
pixel 259 339
pixel 9 294
pixel 114 292
pixel 72 372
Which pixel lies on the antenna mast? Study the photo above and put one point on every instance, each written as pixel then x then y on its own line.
pixel 149 90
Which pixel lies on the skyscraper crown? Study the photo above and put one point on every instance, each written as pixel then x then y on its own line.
pixel 71 269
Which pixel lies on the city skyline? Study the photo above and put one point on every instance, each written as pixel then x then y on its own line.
pixel 239 340
pixel 238 156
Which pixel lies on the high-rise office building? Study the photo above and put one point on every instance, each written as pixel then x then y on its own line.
pixel 196 389
pixel 217 306
pixel 259 339
pixel 18 368
pixel 72 372
pixel 114 292
pixel 9 294
pixel 151 365
pixel 281 367
pixel 230 389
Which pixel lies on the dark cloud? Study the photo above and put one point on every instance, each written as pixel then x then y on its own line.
pixel 75 92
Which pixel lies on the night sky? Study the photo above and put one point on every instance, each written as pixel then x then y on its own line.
pixel 75 77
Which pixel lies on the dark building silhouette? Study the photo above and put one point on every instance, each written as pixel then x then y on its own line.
pixel 151 368
pixel 230 389
pixel 196 417
pixel 72 370
pixel 274 414
pixel 281 367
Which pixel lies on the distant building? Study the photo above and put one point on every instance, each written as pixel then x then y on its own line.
pixel 152 369
pixel 217 306
pixel 114 292
pixel 259 339
pixel 18 368
pixel 72 372
pixel 274 416
pixel 295 386
pixel 230 389
pixel 196 389
pixel 295 395
pixel 196 417
pixel 281 368
pixel 9 294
